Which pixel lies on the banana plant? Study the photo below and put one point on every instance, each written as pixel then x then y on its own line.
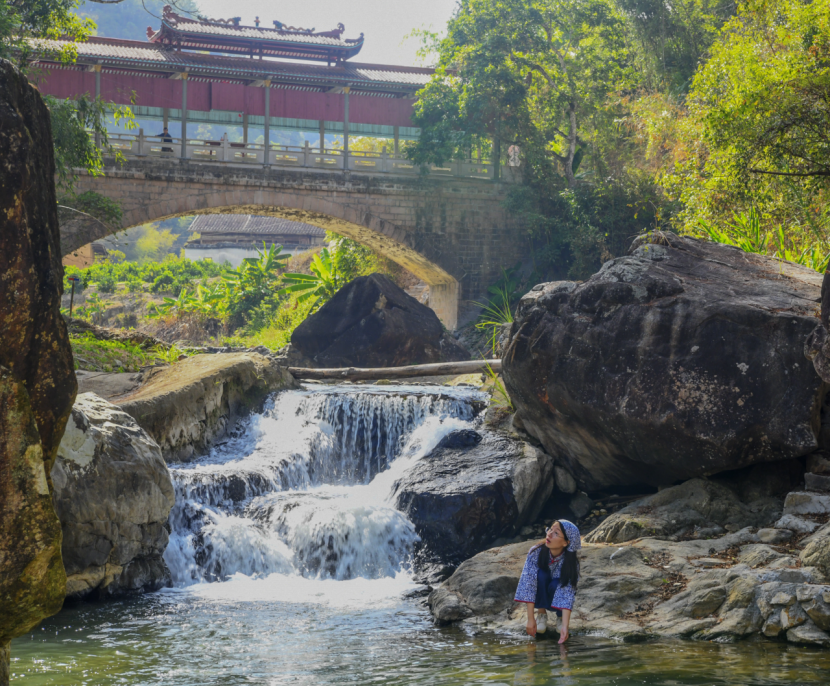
pixel 256 274
pixel 321 284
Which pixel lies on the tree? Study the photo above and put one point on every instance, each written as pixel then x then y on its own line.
pixel 534 73
pixel 757 134
pixel 669 40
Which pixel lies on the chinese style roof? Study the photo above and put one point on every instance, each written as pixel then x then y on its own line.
pixel 229 37
pixel 151 58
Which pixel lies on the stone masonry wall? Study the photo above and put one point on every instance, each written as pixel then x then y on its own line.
pixel 452 233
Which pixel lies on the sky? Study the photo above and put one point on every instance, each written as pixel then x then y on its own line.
pixel 384 23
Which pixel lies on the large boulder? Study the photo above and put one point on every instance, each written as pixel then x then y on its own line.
pixel 37 384
pixel 471 490
pixel 371 322
pixel 113 495
pixel 190 404
pixel 682 359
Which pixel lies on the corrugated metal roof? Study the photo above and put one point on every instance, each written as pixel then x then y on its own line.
pixel 253 224
pixel 139 54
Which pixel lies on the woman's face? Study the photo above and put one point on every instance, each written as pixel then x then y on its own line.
pixel 555 538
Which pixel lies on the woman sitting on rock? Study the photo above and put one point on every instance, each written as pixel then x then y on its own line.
pixel 550 577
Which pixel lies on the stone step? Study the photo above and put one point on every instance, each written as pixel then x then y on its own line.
pixel 802 503
pixel 817 482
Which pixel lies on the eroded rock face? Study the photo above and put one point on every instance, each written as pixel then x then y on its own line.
pixel 371 322
pixel 113 495
pixel 37 383
pixel 725 589
pixel 467 493
pixel 680 360
pixel 698 507
pixel 186 406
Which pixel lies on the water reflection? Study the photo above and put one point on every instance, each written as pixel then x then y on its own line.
pixel 181 639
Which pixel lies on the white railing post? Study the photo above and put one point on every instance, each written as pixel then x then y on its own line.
pixel 140 152
pixel 225 148
pixel 306 154
pixel 384 160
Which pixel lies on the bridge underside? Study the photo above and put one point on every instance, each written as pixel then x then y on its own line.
pixel 452 234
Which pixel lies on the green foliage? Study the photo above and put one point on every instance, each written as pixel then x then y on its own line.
pixel 180 271
pixel 273 328
pixel 498 310
pixel 93 354
pixel 499 394
pixel 670 39
pixel 106 283
pixel 747 231
pixel 169 354
pixel 756 136
pixel 72 123
pixel 321 285
pixel 24 20
pixel 532 72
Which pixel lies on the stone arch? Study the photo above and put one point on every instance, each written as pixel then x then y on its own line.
pixel 146 200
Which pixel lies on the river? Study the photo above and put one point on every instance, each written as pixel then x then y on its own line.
pixel 292 566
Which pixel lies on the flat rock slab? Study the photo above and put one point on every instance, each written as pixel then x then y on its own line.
pixel 108 385
pixel 684 358
pixel 189 404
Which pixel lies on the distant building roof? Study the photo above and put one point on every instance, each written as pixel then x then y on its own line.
pixel 228 36
pixel 153 59
pixel 253 225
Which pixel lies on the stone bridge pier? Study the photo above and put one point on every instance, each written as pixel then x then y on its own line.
pixel 451 232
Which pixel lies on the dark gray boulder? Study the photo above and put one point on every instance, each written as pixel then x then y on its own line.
pixel 682 359
pixel 113 495
pixel 467 493
pixel 371 322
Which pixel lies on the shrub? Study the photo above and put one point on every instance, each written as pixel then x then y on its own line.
pixel 163 283
pixel 106 283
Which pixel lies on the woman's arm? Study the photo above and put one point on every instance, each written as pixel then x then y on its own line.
pixel 531 620
pixel 566 620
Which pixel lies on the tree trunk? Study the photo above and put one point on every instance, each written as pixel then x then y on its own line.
pixel 374 374
pixel 5 666
pixel 569 163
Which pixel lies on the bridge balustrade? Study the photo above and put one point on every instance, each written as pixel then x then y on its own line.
pixel 307 157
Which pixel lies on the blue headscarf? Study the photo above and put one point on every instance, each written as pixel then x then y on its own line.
pixel 572 532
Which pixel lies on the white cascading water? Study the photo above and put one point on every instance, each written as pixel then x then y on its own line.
pixel 301 493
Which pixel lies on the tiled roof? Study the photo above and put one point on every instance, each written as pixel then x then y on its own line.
pixel 148 56
pixel 253 224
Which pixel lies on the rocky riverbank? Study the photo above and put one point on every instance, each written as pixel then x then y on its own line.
pixel 771 582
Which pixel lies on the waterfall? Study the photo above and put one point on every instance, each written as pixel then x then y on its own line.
pixel 302 489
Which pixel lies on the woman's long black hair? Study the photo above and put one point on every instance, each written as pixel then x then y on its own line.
pixel 570 565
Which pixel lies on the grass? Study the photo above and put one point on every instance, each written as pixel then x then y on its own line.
pixel 96 355
pixel 277 333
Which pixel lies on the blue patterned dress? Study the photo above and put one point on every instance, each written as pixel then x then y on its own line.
pixel 528 589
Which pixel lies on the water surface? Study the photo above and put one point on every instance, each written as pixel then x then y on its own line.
pixel 291 565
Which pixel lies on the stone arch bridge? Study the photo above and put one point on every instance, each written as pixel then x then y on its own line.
pixel 451 232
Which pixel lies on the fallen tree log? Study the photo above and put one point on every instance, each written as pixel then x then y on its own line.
pixel 377 373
